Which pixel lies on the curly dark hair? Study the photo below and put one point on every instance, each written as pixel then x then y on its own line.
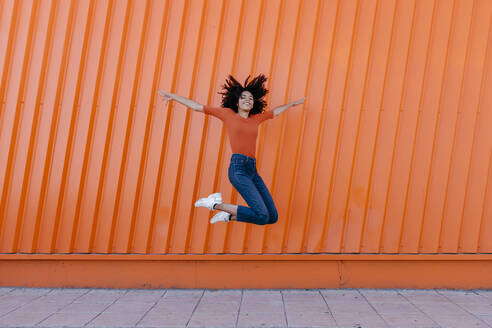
pixel 233 90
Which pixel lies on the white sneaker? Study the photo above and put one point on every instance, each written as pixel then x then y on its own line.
pixel 221 217
pixel 209 201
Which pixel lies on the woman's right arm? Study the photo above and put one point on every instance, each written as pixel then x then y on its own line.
pixel 167 96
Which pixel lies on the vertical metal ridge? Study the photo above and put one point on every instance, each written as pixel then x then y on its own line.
pixel 41 88
pixel 328 200
pixel 274 176
pixel 129 125
pixel 364 89
pixel 186 135
pixel 148 126
pixel 475 129
pixel 17 118
pixel 336 152
pixel 83 61
pixel 90 133
pixel 456 125
pixel 5 72
pixel 206 119
pixel 164 140
pixel 380 109
pixel 410 44
pixel 287 90
pixel 321 125
pixel 373 35
pixel 262 127
pixel 55 121
pixel 73 121
pixel 109 130
pixel 436 126
pixel 53 125
pixel 288 225
pixel 184 143
pixel 158 68
pixel 374 148
pixel 33 133
pixel 417 125
pixel 109 135
pixel 259 28
pixel 173 84
pixel 397 132
pixel 233 68
pixel 355 26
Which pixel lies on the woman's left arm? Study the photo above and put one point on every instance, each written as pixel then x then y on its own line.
pixel 280 109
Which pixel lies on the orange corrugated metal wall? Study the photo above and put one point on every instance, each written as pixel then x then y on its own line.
pixel 391 152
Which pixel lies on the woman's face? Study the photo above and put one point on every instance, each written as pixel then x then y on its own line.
pixel 246 101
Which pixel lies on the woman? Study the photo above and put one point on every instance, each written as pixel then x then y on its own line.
pixel 241 112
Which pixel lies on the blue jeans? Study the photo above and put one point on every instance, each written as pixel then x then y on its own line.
pixel 244 177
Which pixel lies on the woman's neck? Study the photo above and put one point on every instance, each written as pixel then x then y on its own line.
pixel 243 113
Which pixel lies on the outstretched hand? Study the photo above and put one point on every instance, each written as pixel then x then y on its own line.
pixel 298 102
pixel 166 95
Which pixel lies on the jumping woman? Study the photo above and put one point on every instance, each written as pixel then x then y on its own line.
pixel 242 112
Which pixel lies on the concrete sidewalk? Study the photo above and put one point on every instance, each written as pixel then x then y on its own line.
pixel 67 307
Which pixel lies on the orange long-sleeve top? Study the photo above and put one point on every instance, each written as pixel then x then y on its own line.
pixel 242 131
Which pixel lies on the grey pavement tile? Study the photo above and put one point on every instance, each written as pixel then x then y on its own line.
pixel 25 298
pixel 340 296
pixel 7 307
pixel 30 291
pixel 222 307
pixel 129 307
pixel 70 291
pixel 348 308
pixel 378 296
pixel 318 319
pixel 67 320
pixel 59 298
pixel 5 290
pixel 262 298
pixel 300 291
pixel 296 308
pixel 426 298
pixel 460 321
pixel 262 291
pixel 37 306
pixel 408 319
pixel 378 291
pixel 142 296
pixel 255 319
pixel 156 319
pixel 179 300
pixel 417 291
pixel 485 318
pixel 464 297
pixel 205 319
pixel 262 306
pixel 389 307
pixel 20 318
pixel 98 297
pixel 170 307
pixel 115 319
pixel 84 308
pixel 432 309
pixel 477 308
